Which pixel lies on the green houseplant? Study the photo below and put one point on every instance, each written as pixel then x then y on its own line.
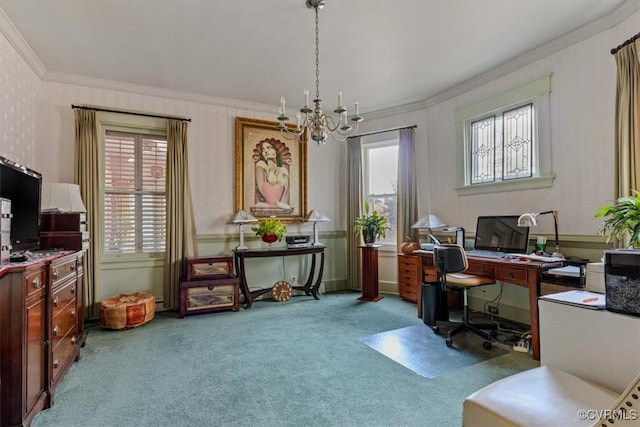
pixel 622 219
pixel 270 230
pixel 371 224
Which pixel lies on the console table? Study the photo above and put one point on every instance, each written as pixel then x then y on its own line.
pixel 521 273
pixel 311 285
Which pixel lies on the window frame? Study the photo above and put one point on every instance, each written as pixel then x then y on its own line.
pixel 374 142
pixel 536 92
pixel 130 124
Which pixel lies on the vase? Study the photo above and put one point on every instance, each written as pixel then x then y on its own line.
pixel 369 238
pixel 269 238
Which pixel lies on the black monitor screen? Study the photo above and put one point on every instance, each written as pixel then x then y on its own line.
pixel 23 187
pixel 501 233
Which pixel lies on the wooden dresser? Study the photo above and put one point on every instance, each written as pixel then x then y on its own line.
pixel 409 276
pixel 41 331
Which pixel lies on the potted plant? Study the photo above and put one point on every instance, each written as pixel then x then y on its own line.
pixel 372 225
pixel 622 219
pixel 270 230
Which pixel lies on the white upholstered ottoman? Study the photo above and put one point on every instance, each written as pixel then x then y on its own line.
pixel 538 397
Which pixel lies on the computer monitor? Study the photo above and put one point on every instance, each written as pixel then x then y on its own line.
pixel 501 233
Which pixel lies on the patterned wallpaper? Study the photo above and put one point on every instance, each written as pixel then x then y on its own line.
pixel 19 94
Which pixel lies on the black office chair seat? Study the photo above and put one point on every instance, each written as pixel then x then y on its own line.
pixel 451 262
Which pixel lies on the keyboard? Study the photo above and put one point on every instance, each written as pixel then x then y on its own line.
pixel 486 254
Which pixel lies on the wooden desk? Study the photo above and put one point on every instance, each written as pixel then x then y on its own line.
pixel 521 273
pixel 309 287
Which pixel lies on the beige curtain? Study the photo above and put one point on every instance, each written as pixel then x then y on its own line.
pixel 86 175
pixel 181 231
pixel 407 186
pixel 627 120
pixel 354 209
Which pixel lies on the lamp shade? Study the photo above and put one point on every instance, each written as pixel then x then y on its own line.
pixel 243 216
pixel 528 220
pixel 61 197
pixel 429 221
pixel 316 216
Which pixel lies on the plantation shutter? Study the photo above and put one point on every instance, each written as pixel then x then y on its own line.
pixel 134 204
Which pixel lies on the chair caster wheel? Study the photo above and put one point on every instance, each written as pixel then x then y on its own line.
pixel 448 342
pixel 494 334
pixel 486 345
pixel 436 329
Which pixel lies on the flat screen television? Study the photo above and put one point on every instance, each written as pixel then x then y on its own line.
pixel 501 233
pixel 23 187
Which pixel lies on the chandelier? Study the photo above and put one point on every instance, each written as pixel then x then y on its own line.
pixel 313 123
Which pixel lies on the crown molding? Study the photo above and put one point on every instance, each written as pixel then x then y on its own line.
pixel 20 44
pixel 591 29
pixel 71 79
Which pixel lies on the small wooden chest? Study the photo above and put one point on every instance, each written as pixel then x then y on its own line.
pixel 63 221
pixel 206 296
pixel 70 240
pixel 205 268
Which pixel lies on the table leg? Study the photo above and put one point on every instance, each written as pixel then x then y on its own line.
pixel 240 272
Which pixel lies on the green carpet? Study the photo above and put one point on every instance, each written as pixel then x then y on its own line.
pixel 296 363
pixel 418 348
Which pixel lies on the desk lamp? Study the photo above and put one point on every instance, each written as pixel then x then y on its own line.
pixel 529 220
pixel 242 217
pixel 429 222
pixel 315 216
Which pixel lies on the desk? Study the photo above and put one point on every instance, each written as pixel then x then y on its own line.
pixel 521 273
pixel 309 287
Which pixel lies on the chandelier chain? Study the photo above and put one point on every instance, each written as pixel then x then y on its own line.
pixel 317 56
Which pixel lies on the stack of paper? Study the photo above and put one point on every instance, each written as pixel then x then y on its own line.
pixel 568 271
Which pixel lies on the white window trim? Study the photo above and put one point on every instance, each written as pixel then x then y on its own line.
pixel 123 123
pixel 537 92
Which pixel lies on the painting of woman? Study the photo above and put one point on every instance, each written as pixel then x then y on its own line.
pixel 272 161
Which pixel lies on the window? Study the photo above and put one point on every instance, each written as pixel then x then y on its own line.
pixel 380 165
pixel 504 142
pixel 134 192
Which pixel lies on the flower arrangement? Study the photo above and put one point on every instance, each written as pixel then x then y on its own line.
pixel 622 219
pixel 371 224
pixel 270 227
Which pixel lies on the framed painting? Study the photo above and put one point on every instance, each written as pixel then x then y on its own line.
pixel 271 171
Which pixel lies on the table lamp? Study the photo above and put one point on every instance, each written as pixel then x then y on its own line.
pixel 242 217
pixel 430 222
pixel 315 216
pixel 61 197
pixel 529 220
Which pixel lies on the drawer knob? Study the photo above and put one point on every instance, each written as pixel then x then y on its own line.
pixel 73 290
pixel 484 270
pixel 56 363
pixel 36 283
pixel 56 330
pixel 72 267
pixel 56 273
pixel 73 313
pixel 511 275
pixel 73 340
pixel 56 301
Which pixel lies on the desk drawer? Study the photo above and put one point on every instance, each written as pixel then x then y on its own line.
pixel 481 269
pixel 513 275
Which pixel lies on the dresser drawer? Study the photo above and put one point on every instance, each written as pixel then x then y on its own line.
pixel 203 296
pixel 481 269
pixel 34 282
pixel 63 269
pixel 62 356
pixel 62 296
pixel 408 292
pixel 209 268
pixel 62 323
pixel 512 275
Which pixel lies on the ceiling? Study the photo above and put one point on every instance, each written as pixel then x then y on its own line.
pixel 383 53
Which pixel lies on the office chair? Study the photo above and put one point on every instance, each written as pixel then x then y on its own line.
pixel 450 261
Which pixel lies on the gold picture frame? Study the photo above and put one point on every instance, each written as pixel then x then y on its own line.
pixel 271 171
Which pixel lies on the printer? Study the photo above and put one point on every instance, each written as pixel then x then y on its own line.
pixel 622 281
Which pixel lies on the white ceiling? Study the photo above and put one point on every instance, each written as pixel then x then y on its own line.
pixel 383 53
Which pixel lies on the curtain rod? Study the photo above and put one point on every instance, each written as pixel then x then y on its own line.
pixel 631 40
pixel 107 110
pixel 383 131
